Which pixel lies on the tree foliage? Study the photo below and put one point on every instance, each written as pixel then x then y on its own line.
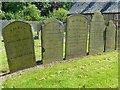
pixel 35 11
pixel 31 13
pixel 59 14
pixel 13 7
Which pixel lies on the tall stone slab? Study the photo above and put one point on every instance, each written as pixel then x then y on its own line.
pixel 96 35
pixel 76 36
pixel 52 41
pixel 118 40
pixel 110 36
pixel 19 45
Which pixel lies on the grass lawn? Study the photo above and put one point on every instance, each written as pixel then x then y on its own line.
pixel 4 64
pixel 100 71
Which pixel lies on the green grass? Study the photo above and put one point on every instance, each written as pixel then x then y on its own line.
pixel 89 72
pixel 37 49
pixel 100 71
pixel 4 66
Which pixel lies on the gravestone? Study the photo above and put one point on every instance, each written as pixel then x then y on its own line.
pixel 110 36
pixel 97 28
pixel 19 45
pixel 118 40
pixel 52 41
pixel 76 37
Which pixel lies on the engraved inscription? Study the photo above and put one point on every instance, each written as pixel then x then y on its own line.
pixel 77 29
pixel 52 39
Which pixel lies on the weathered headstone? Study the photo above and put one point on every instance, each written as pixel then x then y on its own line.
pixel 118 40
pixel 52 41
pixel 110 36
pixel 19 45
pixel 97 28
pixel 76 37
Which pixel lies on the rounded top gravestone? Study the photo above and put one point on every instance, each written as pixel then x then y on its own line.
pixel 98 17
pixel 52 41
pixel 19 45
pixel 96 37
pixel 76 36
pixel 110 36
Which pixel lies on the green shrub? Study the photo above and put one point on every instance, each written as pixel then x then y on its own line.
pixel 59 14
pixel 42 18
pixel 7 16
pixel 31 13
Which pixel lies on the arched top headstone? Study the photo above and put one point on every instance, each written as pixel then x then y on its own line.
pixel 52 40
pixel 51 21
pixel 111 25
pixel 98 17
pixel 11 26
pixel 110 36
pixel 76 36
pixel 75 17
pixel 97 28
pixel 19 45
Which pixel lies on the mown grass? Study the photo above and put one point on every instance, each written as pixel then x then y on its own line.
pixel 100 71
pixel 37 48
pixel 4 65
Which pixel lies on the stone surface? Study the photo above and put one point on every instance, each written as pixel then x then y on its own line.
pixel 110 36
pixel 19 45
pixel 118 40
pixel 97 28
pixel 76 39
pixel 52 41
